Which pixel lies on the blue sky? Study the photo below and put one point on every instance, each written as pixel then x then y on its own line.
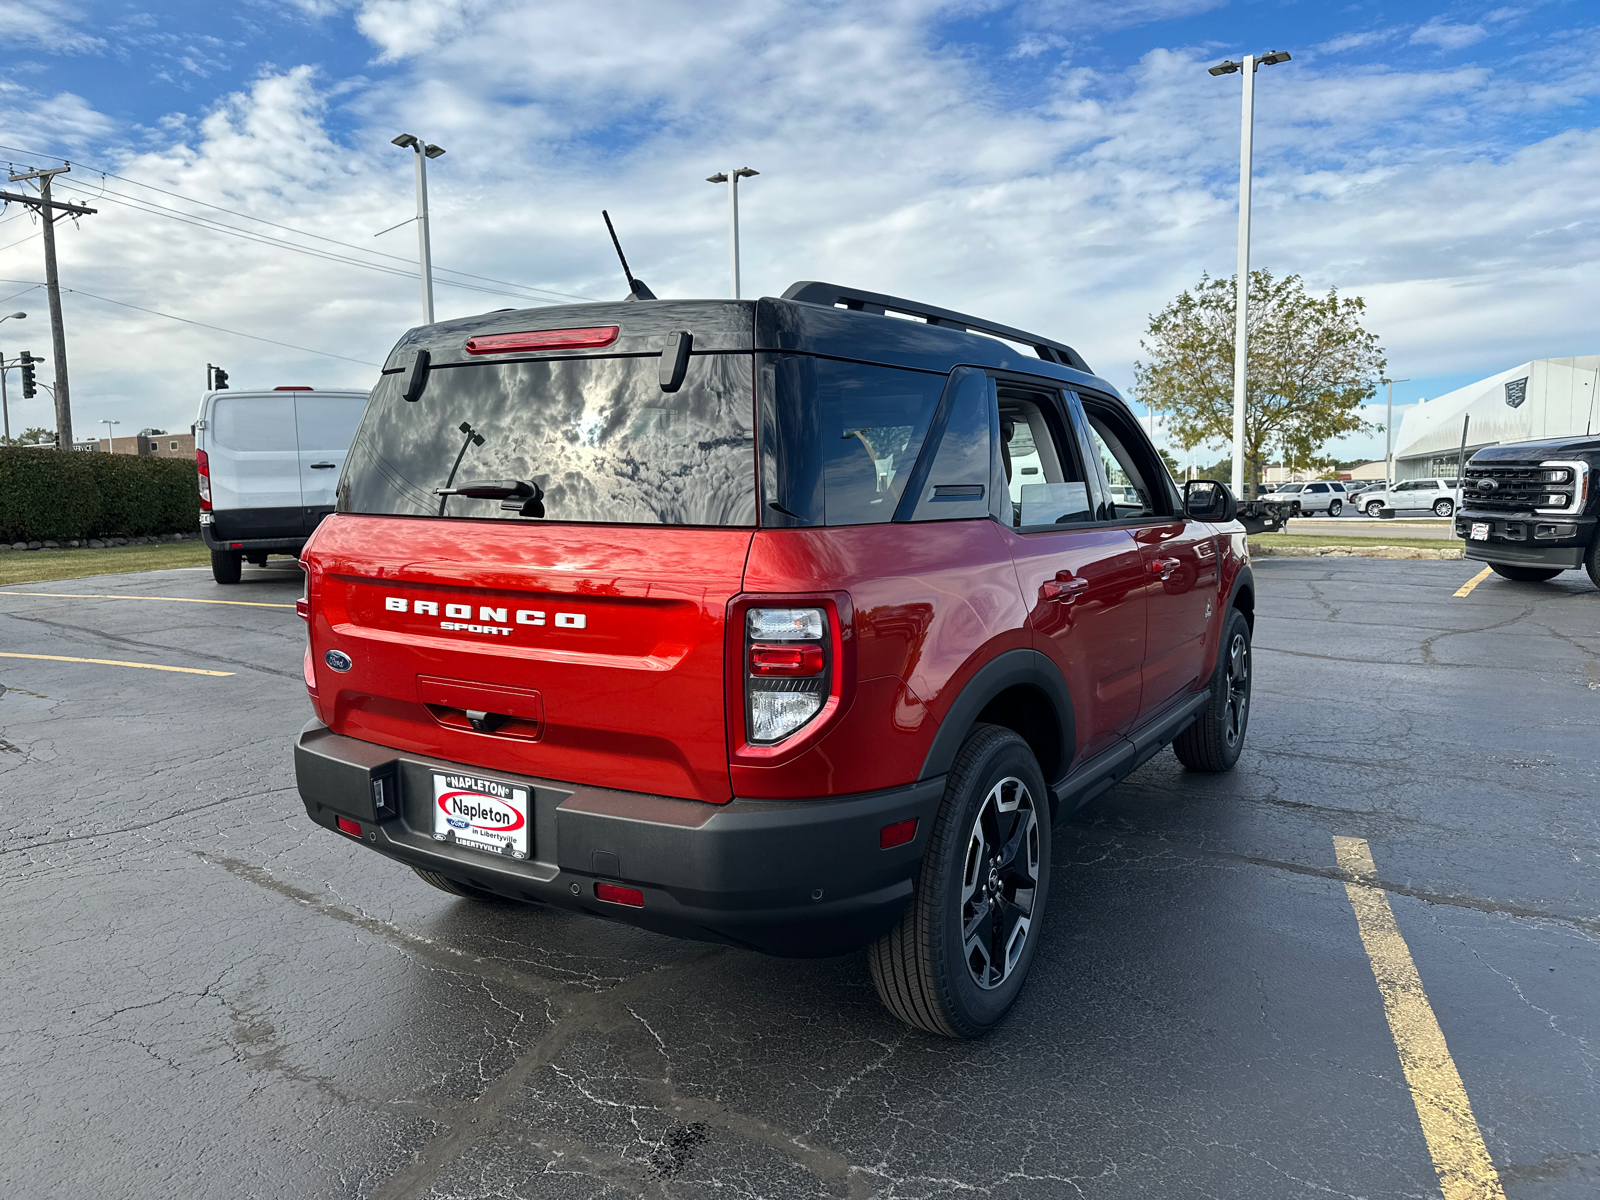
pixel 1060 166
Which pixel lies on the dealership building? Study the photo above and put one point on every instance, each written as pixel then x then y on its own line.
pixel 1549 397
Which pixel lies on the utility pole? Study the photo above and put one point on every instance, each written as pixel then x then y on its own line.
pixel 58 336
pixel 731 178
pixel 1388 435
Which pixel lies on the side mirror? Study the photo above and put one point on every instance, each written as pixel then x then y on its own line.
pixel 1208 500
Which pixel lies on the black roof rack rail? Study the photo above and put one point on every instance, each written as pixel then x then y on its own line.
pixel 831 295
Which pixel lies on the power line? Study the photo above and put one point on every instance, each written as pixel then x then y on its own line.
pixel 218 328
pixel 302 233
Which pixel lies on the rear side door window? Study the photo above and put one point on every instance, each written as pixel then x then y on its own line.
pixel 1045 482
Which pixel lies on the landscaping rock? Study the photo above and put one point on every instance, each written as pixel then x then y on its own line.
pixel 34 546
pixel 96 544
pixel 19 545
pixel 1355 551
pixel 50 545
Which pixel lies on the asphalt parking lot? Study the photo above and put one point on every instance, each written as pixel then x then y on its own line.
pixel 207 996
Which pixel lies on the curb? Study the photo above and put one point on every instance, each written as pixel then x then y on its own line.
pixel 1353 552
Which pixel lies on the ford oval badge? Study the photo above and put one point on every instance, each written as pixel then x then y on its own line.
pixel 338 660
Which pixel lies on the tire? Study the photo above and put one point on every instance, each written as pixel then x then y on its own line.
pixel 1373 509
pixel 1213 742
pixel 1335 507
pixel 1443 508
pixel 445 884
pixel 982 857
pixel 226 565
pixel 1591 563
pixel 1526 574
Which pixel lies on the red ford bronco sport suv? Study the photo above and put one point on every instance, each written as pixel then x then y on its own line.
pixel 790 624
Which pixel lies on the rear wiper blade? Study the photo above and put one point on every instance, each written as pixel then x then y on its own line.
pixel 491 489
pixel 518 495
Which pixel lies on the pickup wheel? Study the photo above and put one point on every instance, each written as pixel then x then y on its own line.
pixel 445 884
pixel 1525 574
pixel 958 958
pixel 1215 739
pixel 226 565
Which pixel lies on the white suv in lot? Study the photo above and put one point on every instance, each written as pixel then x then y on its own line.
pixel 1440 495
pixel 1321 497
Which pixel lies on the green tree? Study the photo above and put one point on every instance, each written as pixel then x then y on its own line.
pixel 1310 367
pixel 32 436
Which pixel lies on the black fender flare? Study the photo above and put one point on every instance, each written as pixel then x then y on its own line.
pixel 1027 668
pixel 1246 578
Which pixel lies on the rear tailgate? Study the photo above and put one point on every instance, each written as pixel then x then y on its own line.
pixel 583 653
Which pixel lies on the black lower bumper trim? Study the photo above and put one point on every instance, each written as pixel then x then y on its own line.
pixel 1527 539
pixel 798 878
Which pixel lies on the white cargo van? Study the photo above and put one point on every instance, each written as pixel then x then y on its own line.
pixel 268 463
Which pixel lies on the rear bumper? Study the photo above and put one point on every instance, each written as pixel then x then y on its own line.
pixel 1527 539
pixel 799 878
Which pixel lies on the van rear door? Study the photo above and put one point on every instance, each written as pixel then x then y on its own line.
pixel 324 424
pixel 255 465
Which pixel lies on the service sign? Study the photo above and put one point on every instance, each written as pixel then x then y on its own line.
pixel 482 814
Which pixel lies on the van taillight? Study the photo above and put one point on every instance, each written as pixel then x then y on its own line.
pixel 203 465
pixel 787 672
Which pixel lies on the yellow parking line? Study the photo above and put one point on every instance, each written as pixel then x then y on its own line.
pixel 173 599
pixel 1465 1169
pixel 1466 588
pixel 114 662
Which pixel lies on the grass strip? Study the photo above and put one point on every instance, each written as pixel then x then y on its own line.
pixel 40 566
pixel 1310 540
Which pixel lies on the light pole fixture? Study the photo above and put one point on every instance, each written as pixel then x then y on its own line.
pixel 731 178
pixel 108 425
pixel 1388 435
pixel 422 152
pixel 1241 337
pixel 5 407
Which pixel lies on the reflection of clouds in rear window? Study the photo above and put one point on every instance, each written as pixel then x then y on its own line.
pixel 599 435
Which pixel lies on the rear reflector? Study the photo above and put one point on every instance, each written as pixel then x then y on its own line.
pixel 302 608
pixel 786 660
pixel 613 893
pixel 897 834
pixel 543 339
pixel 346 825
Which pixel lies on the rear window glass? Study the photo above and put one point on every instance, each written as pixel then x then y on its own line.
pixel 873 422
pixel 597 435
pixel 253 422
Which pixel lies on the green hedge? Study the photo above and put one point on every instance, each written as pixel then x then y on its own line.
pixel 81 494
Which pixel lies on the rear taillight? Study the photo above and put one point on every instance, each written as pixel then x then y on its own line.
pixel 203 465
pixel 787 672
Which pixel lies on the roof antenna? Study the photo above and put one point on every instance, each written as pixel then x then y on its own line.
pixel 636 288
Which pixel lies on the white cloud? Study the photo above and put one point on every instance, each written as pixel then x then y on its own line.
pixel 1447 36
pixel 48 25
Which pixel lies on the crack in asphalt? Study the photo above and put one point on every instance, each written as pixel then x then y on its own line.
pixel 74 633
pixel 182 812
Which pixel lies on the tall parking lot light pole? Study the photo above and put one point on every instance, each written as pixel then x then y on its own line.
pixel 731 178
pixel 422 152
pixel 5 408
pixel 1241 336
pixel 1388 435
pixel 110 449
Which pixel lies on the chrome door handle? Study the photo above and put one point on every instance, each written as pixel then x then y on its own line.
pixel 1062 587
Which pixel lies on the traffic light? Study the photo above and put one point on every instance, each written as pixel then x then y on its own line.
pixel 219 378
pixel 30 389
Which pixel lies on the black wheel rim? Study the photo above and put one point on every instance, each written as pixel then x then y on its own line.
pixel 999 882
pixel 1238 704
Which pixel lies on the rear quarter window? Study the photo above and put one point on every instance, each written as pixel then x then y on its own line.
pixel 253 423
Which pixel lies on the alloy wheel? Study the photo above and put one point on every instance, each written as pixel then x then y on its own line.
pixel 1238 689
pixel 999 882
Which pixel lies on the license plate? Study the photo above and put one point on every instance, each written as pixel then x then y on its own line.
pixel 481 814
pixel 1480 531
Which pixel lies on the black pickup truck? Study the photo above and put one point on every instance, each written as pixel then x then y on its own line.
pixel 1529 509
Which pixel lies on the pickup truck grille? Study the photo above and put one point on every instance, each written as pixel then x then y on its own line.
pixel 1503 489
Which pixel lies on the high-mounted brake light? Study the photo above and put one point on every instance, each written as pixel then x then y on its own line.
pixel 203 465
pixel 613 893
pixel 543 339
pixel 294 387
